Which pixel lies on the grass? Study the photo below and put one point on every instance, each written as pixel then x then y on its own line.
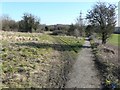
pixel 115 39
pixel 28 58
pixel 72 43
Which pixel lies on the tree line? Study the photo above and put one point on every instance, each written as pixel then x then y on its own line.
pixel 101 20
pixel 31 23
pixel 28 23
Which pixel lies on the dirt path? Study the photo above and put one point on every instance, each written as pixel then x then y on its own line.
pixel 84 73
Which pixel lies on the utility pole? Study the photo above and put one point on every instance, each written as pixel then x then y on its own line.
pixel 81 19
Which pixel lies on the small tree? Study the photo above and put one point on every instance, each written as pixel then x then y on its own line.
pixel 28 23
pixel 89 30
pixel 76 33
pixel 46 28
pixel 103 17
pixel 71 30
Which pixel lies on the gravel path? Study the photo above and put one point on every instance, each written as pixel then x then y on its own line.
pixel 84 73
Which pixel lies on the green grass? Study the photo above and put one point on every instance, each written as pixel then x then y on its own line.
pixel 115 39
pixel 23 57
pixel 74 43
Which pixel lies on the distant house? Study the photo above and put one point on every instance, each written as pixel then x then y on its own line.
pixel 117 30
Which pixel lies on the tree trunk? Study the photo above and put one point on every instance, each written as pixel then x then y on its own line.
pixel 104 38
pixel 30 29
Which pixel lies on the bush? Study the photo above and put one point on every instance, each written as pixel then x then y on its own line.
pixel 57 32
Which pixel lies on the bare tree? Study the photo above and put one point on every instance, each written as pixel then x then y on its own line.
pixel 80 25
pixel 8 24
pixel 103 17
pixel 76 33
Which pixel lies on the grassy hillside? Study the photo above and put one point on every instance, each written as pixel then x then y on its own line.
pixel 115 39
pixel 36 60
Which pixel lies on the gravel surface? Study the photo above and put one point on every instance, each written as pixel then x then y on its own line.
pixel 84 74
